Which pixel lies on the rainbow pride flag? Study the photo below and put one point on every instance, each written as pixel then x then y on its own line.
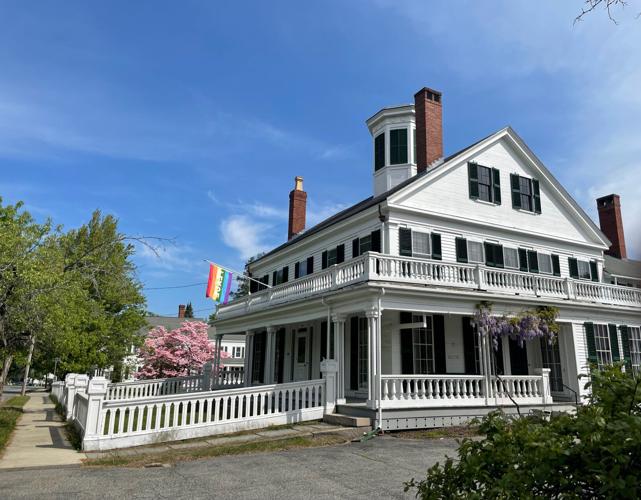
pixel 218 284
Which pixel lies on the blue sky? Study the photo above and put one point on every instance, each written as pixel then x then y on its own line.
pixel 189 120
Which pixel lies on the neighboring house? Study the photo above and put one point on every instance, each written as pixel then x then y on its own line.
pixel 232 344
pixel 396 278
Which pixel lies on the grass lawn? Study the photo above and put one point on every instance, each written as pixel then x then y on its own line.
pixel 173 456
pixel 10 412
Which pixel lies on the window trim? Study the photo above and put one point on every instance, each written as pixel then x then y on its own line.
pixel 549 256
pixel 494 187
pixel 481 243
pixel 516 252
pixel 399 147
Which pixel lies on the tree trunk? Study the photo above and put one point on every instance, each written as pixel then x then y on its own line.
pixel 28 365
pixel 6 365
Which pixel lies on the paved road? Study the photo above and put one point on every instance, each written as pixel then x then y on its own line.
pixel 376 469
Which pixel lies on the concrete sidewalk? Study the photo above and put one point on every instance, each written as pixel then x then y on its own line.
pixel 39 438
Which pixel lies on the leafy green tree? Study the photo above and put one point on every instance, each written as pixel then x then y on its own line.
pixel 594 453
pixel 189 311
pixel 243 282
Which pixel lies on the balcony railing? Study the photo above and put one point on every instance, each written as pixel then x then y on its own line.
pixel 378 267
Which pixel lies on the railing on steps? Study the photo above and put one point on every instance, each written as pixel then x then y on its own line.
pixel 381 267
pixel 133 422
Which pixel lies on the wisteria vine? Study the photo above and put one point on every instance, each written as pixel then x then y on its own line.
pixel 524 326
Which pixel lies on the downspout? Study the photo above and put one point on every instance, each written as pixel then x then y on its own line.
pixel 379 364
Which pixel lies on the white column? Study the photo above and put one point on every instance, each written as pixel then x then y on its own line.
pixel 249 358
pixel 329 368
pixel 339 355
pixel 270 355
pixel 372 339
pixel 216 372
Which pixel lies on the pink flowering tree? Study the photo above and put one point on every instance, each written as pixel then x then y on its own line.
pixel 176 353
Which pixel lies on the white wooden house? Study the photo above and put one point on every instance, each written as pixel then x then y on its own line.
pixel 385 290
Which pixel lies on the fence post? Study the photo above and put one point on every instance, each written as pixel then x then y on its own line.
pixel 207 372
pixel 96 393
pixel 478 274
pixel 81 388
pixel 546 393
pixel 70 393
pixel 329 368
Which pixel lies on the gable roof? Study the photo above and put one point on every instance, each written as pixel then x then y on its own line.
pixel 375 200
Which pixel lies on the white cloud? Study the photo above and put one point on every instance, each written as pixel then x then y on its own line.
pixel 245 234
pixel 318 213
pixel 167 257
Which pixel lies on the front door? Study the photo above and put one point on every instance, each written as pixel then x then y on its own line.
pixel 551 356
pixel 302 355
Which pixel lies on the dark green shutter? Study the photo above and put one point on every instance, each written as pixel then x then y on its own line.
pixel 591 343
pixel 536 195
pixel 253 286
pixel 556 265
pixel 324 260
pixel 436 246
pixel 533 261
pixel 285 274
pixel 355 247
pixel 376 241
pixel 516 190
pixel 469 348
pixel 264 280
pixel 340 253
pixel 496 185
pixel 353 354
pixel 594 271
pixel 489 254
pixel 310 264
pixel 461 250
pixel 405 241
pixel 259 348
pixel 625 343
pixel 498 256
pixel 407 352
pixel 523 260
pixel 614 343
pixel 280 356
pixel 297 270
pixel 473 176
pixel 274 275
pixel 379 151
pixel 573 264
pixel 438 323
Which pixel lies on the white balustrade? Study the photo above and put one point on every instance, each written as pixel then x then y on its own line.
pixel 381 267
pixel 132 422
pixel 229 379
pixel 155 387
pixel 80 409
pixel 428 391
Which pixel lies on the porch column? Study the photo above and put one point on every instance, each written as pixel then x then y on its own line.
pixel 373 362
pixel 216 371
pixel 339 356
pixel 249 358
pixel 270 355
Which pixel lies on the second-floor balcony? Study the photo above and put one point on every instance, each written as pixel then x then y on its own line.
pixel 434 273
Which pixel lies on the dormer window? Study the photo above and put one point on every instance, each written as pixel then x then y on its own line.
pixel 398 146
pixel 379 151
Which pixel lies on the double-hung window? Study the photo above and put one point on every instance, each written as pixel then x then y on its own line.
pixel 582 269
pixel 634 339
pixel 368 243
pixel 484 183
pixel 510 258
pixel 280 276
pixel 419 244
pixel 304 267
pixel 333 256
pixel 545 263
pixel 475 252
pixel 526 193
pixel 423 343
pixel 602 342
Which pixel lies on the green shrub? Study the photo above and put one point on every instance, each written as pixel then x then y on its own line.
pixel 595 453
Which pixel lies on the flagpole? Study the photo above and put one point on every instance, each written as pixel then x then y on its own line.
pixel 237 273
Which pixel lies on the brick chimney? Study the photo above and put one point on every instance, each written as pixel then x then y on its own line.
pixel 429 127
pixel 181 311
pixel 297 209
pixel 611 224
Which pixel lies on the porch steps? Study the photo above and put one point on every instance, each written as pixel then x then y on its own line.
pixel 346 420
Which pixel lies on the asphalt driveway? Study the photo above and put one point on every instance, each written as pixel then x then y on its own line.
pixel 375 469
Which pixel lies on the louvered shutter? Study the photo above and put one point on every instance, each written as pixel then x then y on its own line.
pixel 324 260
pixel 353 353
pixel 594 271
pixel 625 343
pixel 436 246
pixel 573 264
pixel 556 265
pixel 516 190
pixel 274 276
pixel 438 323
pixel 533 261
pixel 496 186
pixel 614 343
pixel 376 241
pixel 285 274
pixel 473 176
pixel 498 256
pixel 469 349
pixel 536 195
pixel 355 247
pixel 297 270
pixel 523 266
pixel 405 241
pixel 591 343
pixel 461 250
pixel 489 254
pixel 310 264
pixel 340 253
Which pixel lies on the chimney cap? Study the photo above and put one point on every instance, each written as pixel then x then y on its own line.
pixel 430 94
pixel 298 183
pixel 607 199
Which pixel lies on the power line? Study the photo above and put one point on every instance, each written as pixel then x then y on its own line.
pixel 176 286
